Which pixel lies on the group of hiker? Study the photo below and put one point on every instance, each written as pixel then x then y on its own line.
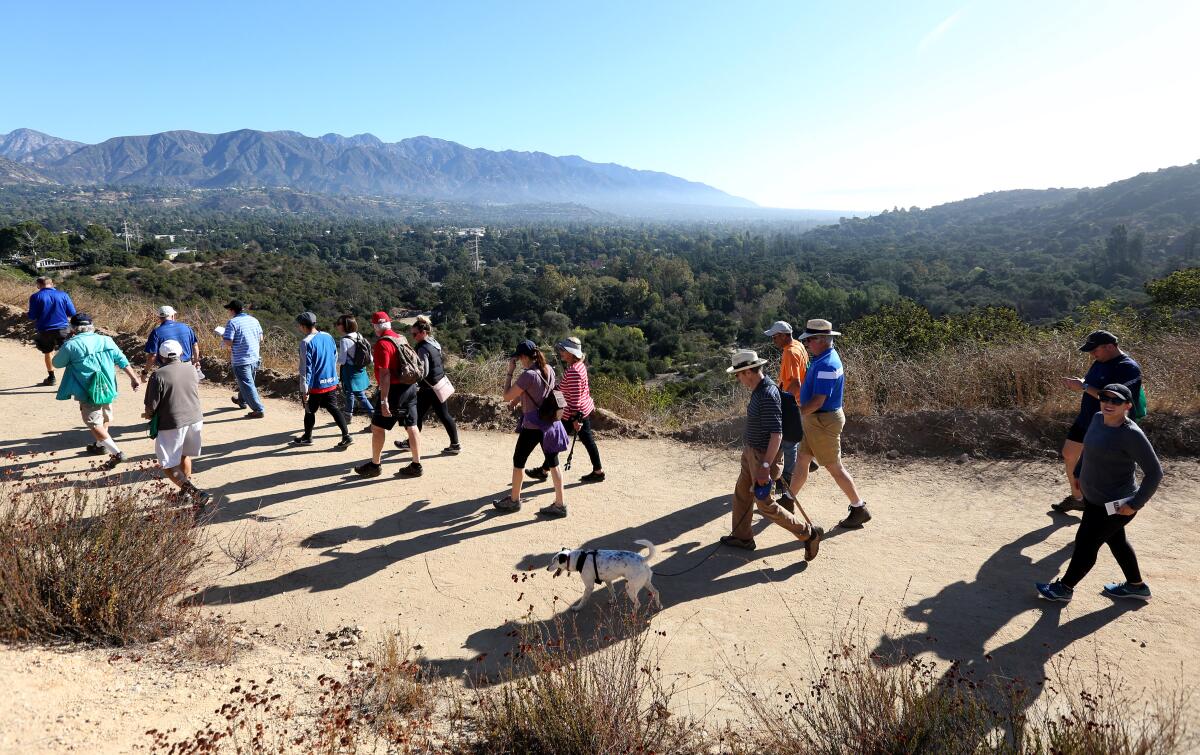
pixel 793 426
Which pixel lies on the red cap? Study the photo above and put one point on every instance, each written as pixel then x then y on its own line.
pixel 380 317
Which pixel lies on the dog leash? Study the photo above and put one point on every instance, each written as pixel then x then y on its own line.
pixel 712 551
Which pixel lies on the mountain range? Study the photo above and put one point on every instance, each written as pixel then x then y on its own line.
pixel 420 167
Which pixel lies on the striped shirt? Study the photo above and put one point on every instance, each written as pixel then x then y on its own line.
pixel 245 335
pixel 576 390
pixel 764 415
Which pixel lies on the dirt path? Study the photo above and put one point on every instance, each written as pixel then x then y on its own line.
pixel 951 555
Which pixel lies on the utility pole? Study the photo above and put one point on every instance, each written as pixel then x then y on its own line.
pixel 125 233
pixel 477 265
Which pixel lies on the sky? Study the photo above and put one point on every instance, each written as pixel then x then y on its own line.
pixel 817 105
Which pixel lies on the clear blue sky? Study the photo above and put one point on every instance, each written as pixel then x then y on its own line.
pixel 788 103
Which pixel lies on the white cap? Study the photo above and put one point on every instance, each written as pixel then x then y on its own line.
pixel 166 310
pixel 779 327
pixel 170 348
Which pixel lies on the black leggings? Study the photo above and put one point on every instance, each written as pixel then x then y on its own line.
pixel 328 402
pixel 529 439
pixel 589 442
pixel 1096 529
pixel 426 400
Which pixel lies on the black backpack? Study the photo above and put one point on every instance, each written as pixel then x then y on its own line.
pixel 359 355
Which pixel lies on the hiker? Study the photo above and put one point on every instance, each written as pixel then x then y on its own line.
pixel 793 366
pixel 88 359
pixel 397 370
pixel 354 358
pixel 1113 447
pixel 578 393
pixel 243 337
pixel 1109 365
pixel 762 460
pixel 318 379
pixel 170 329
pixel 172 405
pixel 822 419
pixel 534 387
pixel 51 311
pixel 430 352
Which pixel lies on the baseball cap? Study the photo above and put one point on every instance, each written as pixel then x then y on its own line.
pixel 307 319
pixel 525 348
pixel 80 318
pixel 380 318
pixel 1118 389
pixel 1097 338
pixel 778 327
pixel 170 348
pixel 234 305
pixel 166 310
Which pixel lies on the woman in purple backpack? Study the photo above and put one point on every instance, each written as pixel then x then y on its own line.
pixel 532 387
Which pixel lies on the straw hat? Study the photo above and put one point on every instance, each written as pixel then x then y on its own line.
pixel 745 359
pixel 817 328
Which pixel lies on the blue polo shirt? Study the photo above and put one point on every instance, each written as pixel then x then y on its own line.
pixel 245 334
pixel 50 309
pixel 825 378
pixel 1120 369
pixel 172 331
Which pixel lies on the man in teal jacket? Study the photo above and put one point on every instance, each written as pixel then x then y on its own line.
pixel 88 360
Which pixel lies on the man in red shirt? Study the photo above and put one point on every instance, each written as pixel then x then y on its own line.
pixel 397 401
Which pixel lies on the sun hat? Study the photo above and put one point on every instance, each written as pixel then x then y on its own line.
pixel 745 359
pixel 572 346
pixel 381 318
pixel 525 348
pixel 307 319
pixel 166 310
pixel 1097 338
pixel 170 348
pixel 80 318
pixel 1120 390
pixel 818 328
pixel 780 326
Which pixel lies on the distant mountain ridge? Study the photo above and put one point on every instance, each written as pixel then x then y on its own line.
pixel 363 164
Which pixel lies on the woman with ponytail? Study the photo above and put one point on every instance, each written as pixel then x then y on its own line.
pixel 531 388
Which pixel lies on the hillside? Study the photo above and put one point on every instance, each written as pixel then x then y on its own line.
pixel 421 167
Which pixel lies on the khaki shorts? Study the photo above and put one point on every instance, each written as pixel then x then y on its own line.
pixel 823 437
pixel 95 415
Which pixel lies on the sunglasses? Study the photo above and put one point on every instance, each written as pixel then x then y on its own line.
pixel 1111 400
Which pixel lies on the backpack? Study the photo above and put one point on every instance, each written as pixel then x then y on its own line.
pixel 552 407
pixel 359 356
pixel 409 368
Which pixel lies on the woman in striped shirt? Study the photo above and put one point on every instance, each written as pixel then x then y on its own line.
pixel 577 392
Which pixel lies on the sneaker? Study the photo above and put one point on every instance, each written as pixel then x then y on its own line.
pixel 255 415
pixel 737 542
pixel 813 543
pixel 237 401
pixel 368 469
pixel 554 511
pixel 453 449
pixel 537 473
pixel 1126 590
pixel 94 449
pixel 114 460
pixel 1070 503
pixel 302 441
pixel 50 379
pixel 401 444
pixel 412 470
pixel 506 504
pixel 1055 591
pixel 592 477
pixel 857 518
pixel 200 498
pixel 344 442
pixel 367 430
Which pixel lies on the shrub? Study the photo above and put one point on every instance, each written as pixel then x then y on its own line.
pixel 104 570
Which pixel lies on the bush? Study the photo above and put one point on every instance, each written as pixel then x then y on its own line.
pixel 104 570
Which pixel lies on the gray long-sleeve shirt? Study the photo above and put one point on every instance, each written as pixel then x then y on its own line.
pixel 1110 456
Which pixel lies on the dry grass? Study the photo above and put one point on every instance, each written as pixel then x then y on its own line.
pixel 206 641
pixel 250 543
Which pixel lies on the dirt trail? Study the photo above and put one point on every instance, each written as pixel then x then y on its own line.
pixel 951 555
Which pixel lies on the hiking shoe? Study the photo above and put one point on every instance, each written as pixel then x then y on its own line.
pixel 255 415
pixel 813 466
pixel 737 542
pixel 200 498
pixel 787 503
pixel 114 460
pixel 50 379
pixel 344 442
pixel 368 469
pixel 453 449
pixel 1054 591
pixel 237 401
pixel 592 477
pixel 537 473
pixel 857 518
pixel 781 486
pixel 506 504
pixel 301 441
pixel 1126 590
pixel 813 543
pixel 401 444
pixel 554 511
pixel 94 449
pixel 1070 503
pixel 412 470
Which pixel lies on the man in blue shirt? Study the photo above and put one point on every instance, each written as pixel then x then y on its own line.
pixel 51 311
pixel 243 337
pixel 823 420
pixel 170 329
pixel 318 379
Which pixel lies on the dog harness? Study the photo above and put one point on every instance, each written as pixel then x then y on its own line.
pixel 583 557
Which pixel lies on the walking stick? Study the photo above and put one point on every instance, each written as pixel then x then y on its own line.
pixel 567 466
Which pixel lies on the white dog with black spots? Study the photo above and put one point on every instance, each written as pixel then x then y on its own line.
pixel 605 567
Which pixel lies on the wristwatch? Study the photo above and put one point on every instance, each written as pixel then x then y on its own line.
pixel 766 465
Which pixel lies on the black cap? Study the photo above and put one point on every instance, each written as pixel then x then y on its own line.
pixel 1097 338
pixel 80 318
pixel 234 305
pixel 525 348
pixel 1119 390
pixel 307 319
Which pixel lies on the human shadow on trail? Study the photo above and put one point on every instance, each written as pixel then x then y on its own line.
pixel 962 617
